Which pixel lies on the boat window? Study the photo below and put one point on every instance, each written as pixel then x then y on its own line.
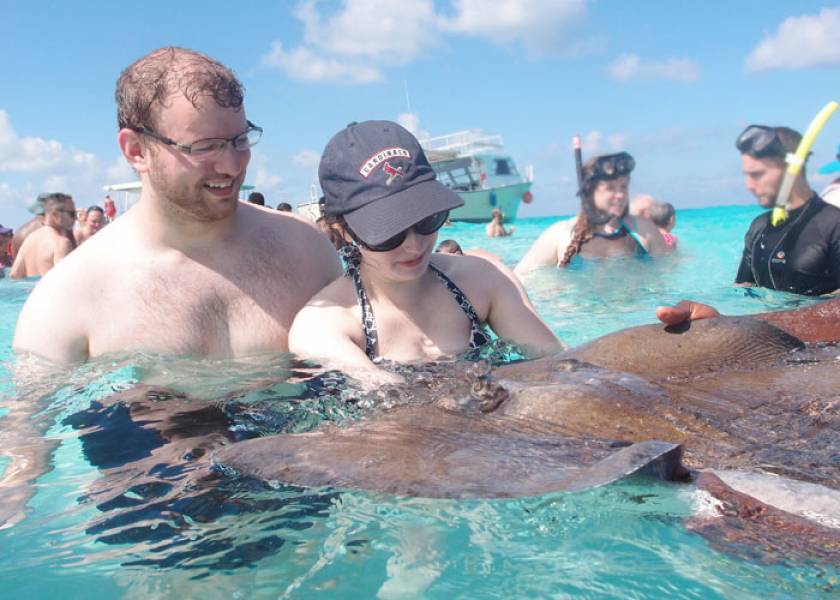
pixel 503 166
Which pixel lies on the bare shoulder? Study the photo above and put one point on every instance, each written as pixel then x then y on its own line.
pixel 331 314
pixel 291 237
pixel 480 279
pixel 54 320
pixel 548 247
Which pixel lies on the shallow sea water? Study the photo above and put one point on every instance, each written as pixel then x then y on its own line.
pixel 92 532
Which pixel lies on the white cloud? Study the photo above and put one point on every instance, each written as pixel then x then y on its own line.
pixel 306 158
pixel 306 65
pixel 591 142
pixel 800 42
pixel 411 121
pixel 538 25
pixel 383 30
pixel 34 154
pixel 629 66
pixel 353 44
pixel 264 180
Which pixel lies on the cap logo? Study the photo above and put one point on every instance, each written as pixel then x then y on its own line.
pixel 393 172
pixel 369 166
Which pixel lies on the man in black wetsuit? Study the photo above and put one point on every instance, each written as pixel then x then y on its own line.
pixel 801 254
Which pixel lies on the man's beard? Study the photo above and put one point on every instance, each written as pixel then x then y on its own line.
pixel 184 199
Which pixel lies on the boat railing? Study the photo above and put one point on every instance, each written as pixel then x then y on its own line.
pixel 469 141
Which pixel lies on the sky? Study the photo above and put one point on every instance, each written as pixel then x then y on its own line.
pixel 673 83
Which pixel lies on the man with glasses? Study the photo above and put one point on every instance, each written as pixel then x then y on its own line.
pixel 189 269
pixel 50 243
pixel 800 254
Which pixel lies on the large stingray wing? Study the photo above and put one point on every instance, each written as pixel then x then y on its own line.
pixel 439 454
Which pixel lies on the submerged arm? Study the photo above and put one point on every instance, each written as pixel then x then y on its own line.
pixel 325 332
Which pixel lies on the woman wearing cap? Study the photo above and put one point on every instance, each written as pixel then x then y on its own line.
pixel 399 301
pixel 603 227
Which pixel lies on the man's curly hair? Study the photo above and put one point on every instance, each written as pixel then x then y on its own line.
pixel 144 86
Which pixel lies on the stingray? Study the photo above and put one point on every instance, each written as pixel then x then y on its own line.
pixel 731 394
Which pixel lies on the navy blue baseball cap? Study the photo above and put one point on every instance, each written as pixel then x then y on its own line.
pixel 376 175
pixel 831 167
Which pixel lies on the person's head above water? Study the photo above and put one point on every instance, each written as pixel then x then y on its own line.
pixel 180 113
pixel 604 195
pixel 450 247
pixel 763 151
pixel 377 180
pixel 662 214
pixel 605 186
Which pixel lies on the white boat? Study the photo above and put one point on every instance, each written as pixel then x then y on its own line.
pixel 474 164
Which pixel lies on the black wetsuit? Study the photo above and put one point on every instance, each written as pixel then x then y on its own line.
pixel 801 255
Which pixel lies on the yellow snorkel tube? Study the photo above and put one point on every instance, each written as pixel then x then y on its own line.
pixel 797 159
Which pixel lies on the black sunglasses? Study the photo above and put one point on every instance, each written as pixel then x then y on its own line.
pixel 760 141
pixel 427 226
pixel 612 166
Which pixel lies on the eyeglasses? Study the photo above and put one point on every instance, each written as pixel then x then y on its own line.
pixel 67 211
pixel 210 147
pixel 760 141
pixel 427 226
pixel 612 166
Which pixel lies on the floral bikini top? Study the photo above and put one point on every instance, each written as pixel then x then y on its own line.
pixel 352 261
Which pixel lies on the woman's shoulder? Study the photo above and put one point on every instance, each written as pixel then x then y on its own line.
pixel 337 294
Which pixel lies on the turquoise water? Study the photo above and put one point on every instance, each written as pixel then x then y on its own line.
pixel 88 536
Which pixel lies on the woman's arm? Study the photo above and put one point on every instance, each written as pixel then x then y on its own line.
pixel 330 333
pixel 548 249
pixel 513 317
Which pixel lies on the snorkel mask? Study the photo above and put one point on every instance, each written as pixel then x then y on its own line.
pixel 604 168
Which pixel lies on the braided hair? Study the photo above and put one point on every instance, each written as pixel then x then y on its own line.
pixel 581 233
pixel 583 229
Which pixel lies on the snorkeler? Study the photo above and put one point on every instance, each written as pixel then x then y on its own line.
pixel 602 228
pixel 399 301
pixel 801 254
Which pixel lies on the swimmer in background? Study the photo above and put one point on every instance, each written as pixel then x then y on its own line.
pixel 33 224
pixel 453 247
pixel 93 221
pixel 415 306
pixel 110 208
pixel 665 218
pixel 496 228
pixel 602 228
pixel 46 246
pixel 6 234
pixel 640 205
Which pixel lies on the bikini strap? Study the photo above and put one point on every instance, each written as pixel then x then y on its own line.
pixel 640 246
pixel 352 259
pixel 478 333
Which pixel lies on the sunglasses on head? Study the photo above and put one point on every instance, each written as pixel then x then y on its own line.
pixel 612 166
pixel 760 141
pixel 427 226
